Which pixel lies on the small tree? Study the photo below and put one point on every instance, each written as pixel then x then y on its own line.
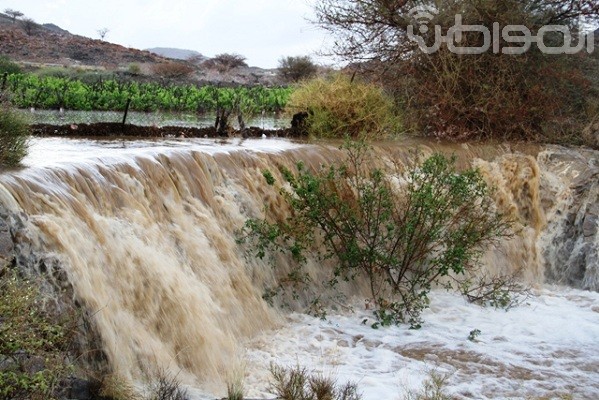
pixel 293 69
pixel 403 238
pixel 29 26
pixel 226 61
pixel 103 32
pixel 13 14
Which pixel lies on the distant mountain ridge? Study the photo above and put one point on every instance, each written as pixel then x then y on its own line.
pixel 177 54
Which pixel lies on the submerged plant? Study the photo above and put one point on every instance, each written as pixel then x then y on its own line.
pixel 298 383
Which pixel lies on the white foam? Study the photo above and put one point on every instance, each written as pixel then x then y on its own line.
pixel 545 347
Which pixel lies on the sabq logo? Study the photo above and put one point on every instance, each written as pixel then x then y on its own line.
pixel 512 34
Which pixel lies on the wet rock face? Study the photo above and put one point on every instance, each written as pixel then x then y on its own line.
pixel 571 245
pixel 6 244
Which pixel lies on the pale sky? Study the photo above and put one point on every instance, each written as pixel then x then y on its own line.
pixel 261 30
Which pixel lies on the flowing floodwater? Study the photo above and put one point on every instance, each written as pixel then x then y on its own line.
pixel 145 232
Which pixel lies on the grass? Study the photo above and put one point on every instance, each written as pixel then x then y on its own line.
pixel 34 350
pixel 297 383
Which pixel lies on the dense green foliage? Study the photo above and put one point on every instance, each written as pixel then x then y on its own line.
pixel 49 91
pixel 403 233
pixel 339 107
pixel 14 135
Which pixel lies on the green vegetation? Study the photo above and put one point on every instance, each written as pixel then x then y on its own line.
pixel 9 67
pixel 403 233
pixel 49 91
pixel 339 107
pixel 14 135
pixel 294 69
pixel 34 346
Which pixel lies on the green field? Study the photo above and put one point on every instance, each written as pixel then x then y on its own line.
pixel 51 92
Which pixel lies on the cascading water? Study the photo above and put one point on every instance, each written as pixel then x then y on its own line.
pixel 146 236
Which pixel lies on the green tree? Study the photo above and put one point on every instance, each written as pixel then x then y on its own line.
pixel 294 69
pixel 403 239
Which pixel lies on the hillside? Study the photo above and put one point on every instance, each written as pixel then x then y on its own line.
pixel 47 44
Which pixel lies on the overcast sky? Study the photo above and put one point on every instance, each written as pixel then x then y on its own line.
pixel 261 30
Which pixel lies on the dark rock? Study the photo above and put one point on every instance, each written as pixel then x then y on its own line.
pixel 33 364
pixel 589 225
pixel 81 389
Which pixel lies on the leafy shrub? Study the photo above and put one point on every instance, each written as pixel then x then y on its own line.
pixel 134 69
pixel 402 237
pixel 14 135
pixel 9 67
pixel 298 384
pixel 294 69
pixel 338 107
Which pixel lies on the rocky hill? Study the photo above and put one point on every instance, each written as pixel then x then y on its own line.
pixel 49 44
pixel 39 45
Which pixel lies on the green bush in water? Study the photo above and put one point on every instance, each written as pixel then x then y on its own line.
pixel 14 136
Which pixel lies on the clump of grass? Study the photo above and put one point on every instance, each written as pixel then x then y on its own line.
pixel 114 387
pixel 14 136
pixel 167 387
pixel 235 390
pixel 433 388
pixel 235 386
pixel 298 384
pixel 338 106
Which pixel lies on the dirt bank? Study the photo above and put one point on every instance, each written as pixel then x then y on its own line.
pixel 110 129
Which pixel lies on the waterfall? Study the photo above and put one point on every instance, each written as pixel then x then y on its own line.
pixel 147 239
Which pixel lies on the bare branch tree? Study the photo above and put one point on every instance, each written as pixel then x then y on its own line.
pixel 29 26
pixel 13 14
pixel 225 62
pixel 102 33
